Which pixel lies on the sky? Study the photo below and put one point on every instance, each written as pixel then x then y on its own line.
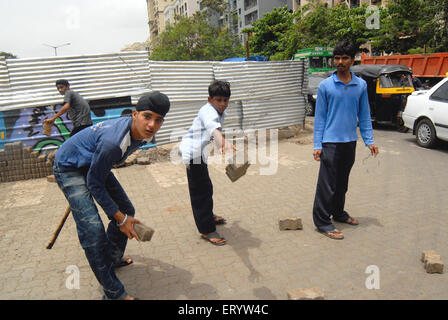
pixel 90 26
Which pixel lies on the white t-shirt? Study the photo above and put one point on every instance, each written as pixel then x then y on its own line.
pixel 193 144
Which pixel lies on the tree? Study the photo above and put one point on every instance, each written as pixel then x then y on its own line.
pixel 195 39
pixel 277 36
pixel 267 33
pixel 404 27
pixel 219 6
pixel 7 55
pixel 438 24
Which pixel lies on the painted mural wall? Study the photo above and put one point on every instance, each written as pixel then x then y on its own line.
pixel 25 125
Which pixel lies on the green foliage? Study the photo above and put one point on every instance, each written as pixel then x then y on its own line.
pixel 7 55
pixel 267 33
pixel 421 50
pixel 195 39
pixel 404 27
pixel 314 25
pixel 438 24
pixel 219 6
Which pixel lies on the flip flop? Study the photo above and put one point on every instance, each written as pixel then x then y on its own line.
pixel 327 234
pixel 220 220
pixel 124 262
pixel 213 235
pixel 350 221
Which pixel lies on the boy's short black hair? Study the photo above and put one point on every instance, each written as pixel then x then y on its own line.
pixel 345 47
pixel 62 82
pixel 219 88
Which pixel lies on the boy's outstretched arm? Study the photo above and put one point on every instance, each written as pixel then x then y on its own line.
pixel 222 143
pixel 63 110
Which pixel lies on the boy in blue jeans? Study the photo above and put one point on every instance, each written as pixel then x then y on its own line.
pixel 206 126
pixel 82 168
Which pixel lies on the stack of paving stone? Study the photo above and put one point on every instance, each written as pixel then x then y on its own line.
pixel 22 163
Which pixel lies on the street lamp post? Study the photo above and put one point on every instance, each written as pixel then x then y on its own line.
pixel 56 47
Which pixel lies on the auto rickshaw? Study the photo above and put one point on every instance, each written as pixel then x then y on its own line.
pixel 388 87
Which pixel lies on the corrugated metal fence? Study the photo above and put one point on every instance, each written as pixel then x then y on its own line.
pixel 264 94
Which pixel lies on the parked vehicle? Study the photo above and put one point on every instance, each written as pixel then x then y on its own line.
pixel 388 87
pixel 313 83
pixel 320 59
pixel 426 113
pixel 429 68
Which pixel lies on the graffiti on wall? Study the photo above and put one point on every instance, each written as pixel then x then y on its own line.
pixel 25 125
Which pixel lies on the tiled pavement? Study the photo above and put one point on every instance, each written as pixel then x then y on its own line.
pixel 400 199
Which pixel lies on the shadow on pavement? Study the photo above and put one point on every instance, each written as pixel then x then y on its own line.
pixel 163 281
pixel 363 222
pixel 240 241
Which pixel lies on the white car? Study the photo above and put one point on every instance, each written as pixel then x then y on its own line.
pixel 426 113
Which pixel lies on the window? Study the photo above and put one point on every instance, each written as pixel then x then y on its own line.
pixel 251 17
pixel 441 94
pixel 396 79
pixel 248 4
pixel 315 62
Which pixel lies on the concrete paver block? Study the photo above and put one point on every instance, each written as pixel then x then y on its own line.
pixel 143 160
pixel 429 253
pixel 47 128
pixel 434 265
pixel 234 172
pixel 290 224
pixel 144 232
pixel 306 294
pixel 432 261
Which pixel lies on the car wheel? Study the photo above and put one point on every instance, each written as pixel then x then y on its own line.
pixel 426 134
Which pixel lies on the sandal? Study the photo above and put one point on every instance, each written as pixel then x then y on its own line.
pixel 219 220
pixel 124 262
pixel 335 234
pixel 213 235
pixel 350 220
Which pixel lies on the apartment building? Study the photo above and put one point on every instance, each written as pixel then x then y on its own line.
pixel 156 17
pixel 250 11
pixel 185 8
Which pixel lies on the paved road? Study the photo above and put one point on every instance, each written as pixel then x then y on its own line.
pixel 399 198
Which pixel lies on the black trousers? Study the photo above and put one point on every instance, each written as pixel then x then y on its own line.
pixel 336 161
pixel 201 196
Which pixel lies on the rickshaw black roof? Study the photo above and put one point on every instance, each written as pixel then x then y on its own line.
pixel 375 70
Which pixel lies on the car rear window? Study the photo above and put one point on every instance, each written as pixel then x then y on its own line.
pixel 441 94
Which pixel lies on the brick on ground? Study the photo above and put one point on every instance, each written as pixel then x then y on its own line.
pixel 306 294
pixel 290 223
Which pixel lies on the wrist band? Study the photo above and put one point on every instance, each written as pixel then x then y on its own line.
pixel 124 220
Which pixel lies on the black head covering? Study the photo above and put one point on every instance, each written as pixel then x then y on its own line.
pixel 154 101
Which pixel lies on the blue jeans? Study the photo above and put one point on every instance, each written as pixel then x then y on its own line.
pixel 103 249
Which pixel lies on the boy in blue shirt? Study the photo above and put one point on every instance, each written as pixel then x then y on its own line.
pixel 341 102
pixel 206 127
pixel 82 168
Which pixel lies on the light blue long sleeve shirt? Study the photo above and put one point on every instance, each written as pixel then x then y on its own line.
pixel 339 107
